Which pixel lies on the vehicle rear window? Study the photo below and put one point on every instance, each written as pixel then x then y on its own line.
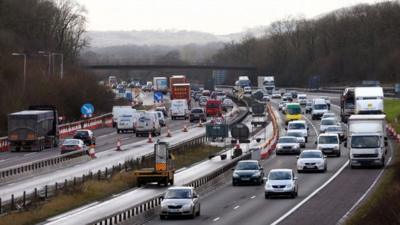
pixel 247 166
pixel 295 126
pixel 197 111
pixel 71 142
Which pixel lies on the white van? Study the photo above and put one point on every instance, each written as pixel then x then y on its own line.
pixel 302 99
pixel 116 110
pixel 160 117
pixel 369 100
pixel 146 123
pixel 318 108
pixel 126 120
pixel 179 108
pixel 300 126
pixel 329 144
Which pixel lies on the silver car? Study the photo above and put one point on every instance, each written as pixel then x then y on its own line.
pixel 287 144
pixel 299 136
pixel 311 160
pixel 281 182
pixel 180 201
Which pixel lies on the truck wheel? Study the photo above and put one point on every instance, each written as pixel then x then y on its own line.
pixel 171 181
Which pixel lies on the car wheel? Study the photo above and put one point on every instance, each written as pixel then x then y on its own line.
pixel 162 217
pixel 193 215
pixel 198 212
pixel 306 139
pixel 293 195
pixel 266 196
pixel 137 135
pixel 299 171
pixel 338 154
pixel 234 183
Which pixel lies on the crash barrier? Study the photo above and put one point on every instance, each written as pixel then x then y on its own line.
pixel 39 165
pixel 393 133
pixel 388 91
pixel 20 202
pixel 69 129
pixel 145 206
pixel 269 146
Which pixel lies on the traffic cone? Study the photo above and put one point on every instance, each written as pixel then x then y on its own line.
pixel 92 152
pixel 200 123
pixel 150 139
pixel 168 132
pixel 237 146
pixel 119 144
pixel 185 129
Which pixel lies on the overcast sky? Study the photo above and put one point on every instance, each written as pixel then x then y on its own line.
pixel 215 16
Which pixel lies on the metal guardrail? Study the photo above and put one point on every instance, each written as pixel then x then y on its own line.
pixel 17 202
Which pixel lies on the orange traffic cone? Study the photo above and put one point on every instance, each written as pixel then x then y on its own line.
pixel 185 129
pixel 119 144
pixel 92 152
pixel 168 132
pixel 150 139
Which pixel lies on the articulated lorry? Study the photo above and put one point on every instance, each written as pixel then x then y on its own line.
pixel 34 129
pixel 367 140
pixel 347 103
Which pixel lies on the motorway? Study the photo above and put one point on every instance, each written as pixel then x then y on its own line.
pixel 246 204
pixel 106 138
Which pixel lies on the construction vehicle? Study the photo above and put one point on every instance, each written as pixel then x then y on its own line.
pixel 163 170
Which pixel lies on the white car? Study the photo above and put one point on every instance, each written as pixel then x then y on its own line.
pixel 180 201
pixel 318 108
pixel 325 123
pixel 302 99
pixel 328 115
pixel 288 144
pixel 203 101
pixel 266 98
pixel 311 160
pixel 281 182
pixel 299 136
pixel 329 144
pixel 299 125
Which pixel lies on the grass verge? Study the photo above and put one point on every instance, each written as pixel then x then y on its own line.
pixel 383 205
pixel 97 190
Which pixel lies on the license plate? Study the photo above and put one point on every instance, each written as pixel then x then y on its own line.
pixel 174 210
pixel 309 166
pixel 245 178
pixel 278 189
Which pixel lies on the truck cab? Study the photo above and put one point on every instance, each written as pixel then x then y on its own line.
pixel 213 108
pixel 367 140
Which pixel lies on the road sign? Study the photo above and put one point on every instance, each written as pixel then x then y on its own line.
pixel 158 96
pixel 87 110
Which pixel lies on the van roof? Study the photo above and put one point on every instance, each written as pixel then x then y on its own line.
pixel 368 91
pixel 368 117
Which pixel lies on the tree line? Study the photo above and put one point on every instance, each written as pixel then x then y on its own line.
pixel 31 27
pixel 342 47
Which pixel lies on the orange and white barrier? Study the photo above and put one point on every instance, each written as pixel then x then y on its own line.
pixel 270 145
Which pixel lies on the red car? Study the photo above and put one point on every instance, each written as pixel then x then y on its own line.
pixel 213 107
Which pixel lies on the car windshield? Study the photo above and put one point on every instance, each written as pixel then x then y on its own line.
pixel 295 134
pixel 294 126
pixel 320 106
pixel 280 175
pixel 365 142
pixel 178 194
pixel 328 115
pixel 333 129
pixel 328 122
pixel 328 140
pixel 309 155
pixel 294 110
pixel 197 111
pixel 81 133
pixel 287 140
pixel 71 142
pixel 247 166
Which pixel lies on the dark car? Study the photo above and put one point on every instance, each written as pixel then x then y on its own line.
pixel 249 172
pixel 197 114
pixel 86 136
pixel 294 94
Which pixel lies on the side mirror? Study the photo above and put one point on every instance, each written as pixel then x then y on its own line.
pixel 294 178
pixel 285 128
pixel 162 197
pixel 265 178
pixel 261 168
pixel 325 156
pixel 386 143
pixel 297 157
pixel 258 140
pixel 195 196
pixel 316 142
pixel 233 169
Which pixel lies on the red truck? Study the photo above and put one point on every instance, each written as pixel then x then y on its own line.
pixel 181 91
pixel 177 79
pixel 213 107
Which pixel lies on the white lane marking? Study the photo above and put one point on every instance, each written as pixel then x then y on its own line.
pixel 33 153
pixel 216 219
pixel 3 160
pixel 341 221
pixel 72 212
pixel 312 125
pixel 253 197
pixel 280 219
pixel 236 207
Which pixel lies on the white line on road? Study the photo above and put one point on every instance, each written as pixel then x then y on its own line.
pixel 343 219
pixel 216 219
pixel 280 219
pixel 30 154
pixel 253 197
pixel 236 207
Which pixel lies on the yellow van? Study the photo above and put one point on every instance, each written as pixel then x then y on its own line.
pixel 293 112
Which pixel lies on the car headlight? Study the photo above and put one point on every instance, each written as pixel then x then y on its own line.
pixel 268 185
pixel 289 186
pixel 235 175
pixel 320 163
pixel 256 174
pixel 336 147
pixel 187 206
